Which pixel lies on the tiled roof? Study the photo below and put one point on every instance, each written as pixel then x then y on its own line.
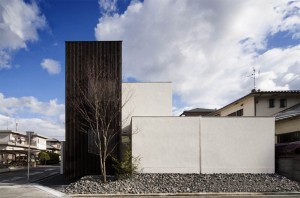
pixel 283 91
pixel 199 110
pixel 291 112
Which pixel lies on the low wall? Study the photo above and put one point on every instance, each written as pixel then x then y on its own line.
pixel 166 144
pixel 237 145
pixel 204 144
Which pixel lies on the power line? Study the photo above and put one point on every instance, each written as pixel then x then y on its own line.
pixel 294 79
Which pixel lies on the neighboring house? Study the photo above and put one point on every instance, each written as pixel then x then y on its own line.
pixel 260 103
pixel 14 144
pixel 197 112
pixel 53 145
pixel 284 105
pixel 287 124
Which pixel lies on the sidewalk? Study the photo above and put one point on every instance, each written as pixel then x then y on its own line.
pixel 28 190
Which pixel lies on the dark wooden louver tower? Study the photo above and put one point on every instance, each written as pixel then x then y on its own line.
pixel 106 58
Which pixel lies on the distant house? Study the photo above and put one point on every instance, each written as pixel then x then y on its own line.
pixel 284 105
pixel 287 124
pixel 197 112
pixel 53 145
pixel 260 103
pixel 14 145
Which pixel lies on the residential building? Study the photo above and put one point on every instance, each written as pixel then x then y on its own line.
pixel 14 144
pixel 284 105
pixel 287 126
pixel 165 143
pixel 197 112
pixel 53 145
pixel 260 103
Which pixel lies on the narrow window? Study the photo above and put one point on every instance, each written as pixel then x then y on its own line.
pixel 232 114
pixel 239 112
pixel 282 103
pixel 271 103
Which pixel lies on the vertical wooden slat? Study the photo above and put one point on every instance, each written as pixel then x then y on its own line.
pixel 106 55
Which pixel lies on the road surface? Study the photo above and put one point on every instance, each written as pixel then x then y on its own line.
pixel 35 174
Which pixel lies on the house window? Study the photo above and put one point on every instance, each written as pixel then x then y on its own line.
pixel 239 112
pixel 232 114
pixel 289 137
pixel 271 103
pixel 282 103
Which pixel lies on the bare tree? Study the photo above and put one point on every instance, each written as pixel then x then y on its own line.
pixel 99 107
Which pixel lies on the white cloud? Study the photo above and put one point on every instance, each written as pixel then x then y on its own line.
pixel 205 47
pixel 107 7
pixel 52 66
pixel 19 24
pixel 45 118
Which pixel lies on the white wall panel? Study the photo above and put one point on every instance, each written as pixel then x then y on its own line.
pixel 167 144
pixel 237 145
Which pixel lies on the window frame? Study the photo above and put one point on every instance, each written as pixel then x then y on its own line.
pixel 271 103
pixel 282 103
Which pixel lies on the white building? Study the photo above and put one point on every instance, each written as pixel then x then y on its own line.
pixel 169 144
pixel 14 145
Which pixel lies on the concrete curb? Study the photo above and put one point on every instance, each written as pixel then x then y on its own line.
pixel 49 190
pixel 191 194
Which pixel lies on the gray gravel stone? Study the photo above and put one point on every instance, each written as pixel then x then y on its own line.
pixel 183 183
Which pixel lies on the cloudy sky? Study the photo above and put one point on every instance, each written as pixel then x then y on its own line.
pixel 207 48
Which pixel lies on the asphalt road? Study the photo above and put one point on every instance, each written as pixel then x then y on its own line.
pixel 36 174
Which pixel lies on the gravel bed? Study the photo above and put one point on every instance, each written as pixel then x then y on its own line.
pixel 184 183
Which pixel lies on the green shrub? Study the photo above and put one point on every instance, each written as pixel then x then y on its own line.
pixel 127 166
pixel 54 158
pixel 44 157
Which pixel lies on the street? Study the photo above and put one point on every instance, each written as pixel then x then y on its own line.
pixel 36 173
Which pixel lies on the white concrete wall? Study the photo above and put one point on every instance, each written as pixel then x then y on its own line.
pixel 167 144
pixel 145 99
pixel 206 145
pixel 237 145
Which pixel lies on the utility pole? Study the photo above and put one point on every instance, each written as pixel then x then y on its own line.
pixel 29 134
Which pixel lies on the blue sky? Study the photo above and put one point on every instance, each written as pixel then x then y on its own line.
pixel 206 48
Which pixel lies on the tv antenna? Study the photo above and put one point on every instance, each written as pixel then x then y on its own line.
pixel 253 76
pixel 16 121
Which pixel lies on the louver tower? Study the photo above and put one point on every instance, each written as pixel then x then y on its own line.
pixel 90 65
